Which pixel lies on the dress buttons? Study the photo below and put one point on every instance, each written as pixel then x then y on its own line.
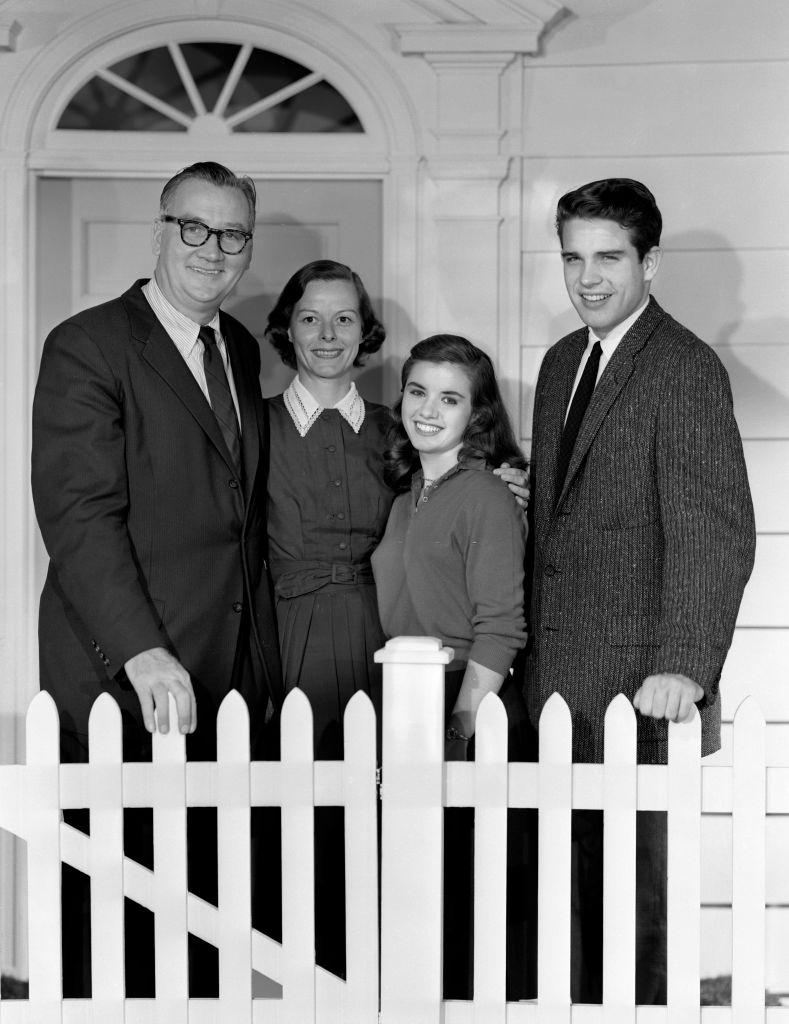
pixel 337 483
pixel 342 545
pixel 341 515
pixel 237 607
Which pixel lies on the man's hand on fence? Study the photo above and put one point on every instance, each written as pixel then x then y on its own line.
pixel 155 674
pixel 667 695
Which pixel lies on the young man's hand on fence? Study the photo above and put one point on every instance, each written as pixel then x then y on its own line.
pixel 667 695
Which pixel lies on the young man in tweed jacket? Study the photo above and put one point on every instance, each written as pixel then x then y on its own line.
pixel 643 535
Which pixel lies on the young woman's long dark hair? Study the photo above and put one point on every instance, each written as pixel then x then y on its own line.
pixel 489 434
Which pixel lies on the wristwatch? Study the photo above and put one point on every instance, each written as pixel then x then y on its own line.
pixel 454 734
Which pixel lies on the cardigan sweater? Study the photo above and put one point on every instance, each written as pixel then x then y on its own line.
pixel 450 565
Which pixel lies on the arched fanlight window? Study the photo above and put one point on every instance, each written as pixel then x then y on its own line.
pixel 181 86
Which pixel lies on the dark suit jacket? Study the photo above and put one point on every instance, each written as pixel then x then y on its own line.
pixel 640 566
pixel 153 540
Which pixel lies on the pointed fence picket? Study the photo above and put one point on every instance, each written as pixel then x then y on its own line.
pixel 684 872
pixel 620 799
pixel 234 867
pixel 298 802
pixel 491 783
pixel 417 786
pixel 169 880
pixel 554 803
pixel 42 797
pixel 360 1000
pixel 105 786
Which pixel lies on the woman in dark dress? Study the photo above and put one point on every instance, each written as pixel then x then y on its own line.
pixel 328 506
pixel 328 502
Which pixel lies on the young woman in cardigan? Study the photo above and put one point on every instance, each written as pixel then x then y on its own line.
pixel 451 565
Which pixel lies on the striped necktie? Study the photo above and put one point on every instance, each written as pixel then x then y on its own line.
pixel 219 394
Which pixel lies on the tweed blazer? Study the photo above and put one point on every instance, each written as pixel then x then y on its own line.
pixel 639 564
pixel 154 537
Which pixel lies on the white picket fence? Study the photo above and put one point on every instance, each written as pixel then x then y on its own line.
pixel 416 785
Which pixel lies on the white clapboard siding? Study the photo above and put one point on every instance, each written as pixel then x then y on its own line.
pixel 765 602
pixel 703 128
pixel 768 475
pixel 707 205
pixel 757 665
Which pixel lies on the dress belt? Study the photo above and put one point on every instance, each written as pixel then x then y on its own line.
pixel 307 577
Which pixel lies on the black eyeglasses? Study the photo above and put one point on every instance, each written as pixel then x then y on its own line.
pixel 195 233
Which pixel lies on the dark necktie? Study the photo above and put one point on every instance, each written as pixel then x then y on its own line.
pixel 219 393
pixel 576 414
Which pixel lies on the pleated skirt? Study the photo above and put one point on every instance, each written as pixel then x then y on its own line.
pixel 327 642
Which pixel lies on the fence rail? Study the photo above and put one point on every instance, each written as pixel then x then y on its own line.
pixel 416 786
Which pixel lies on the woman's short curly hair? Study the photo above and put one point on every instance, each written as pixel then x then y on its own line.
pixel 373 333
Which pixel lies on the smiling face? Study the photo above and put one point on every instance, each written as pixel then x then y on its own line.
pixel 436 410
pixel 326 332
pixel 605 278
pixel 197 279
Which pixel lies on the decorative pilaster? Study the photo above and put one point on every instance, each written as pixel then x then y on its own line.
pixel 471 186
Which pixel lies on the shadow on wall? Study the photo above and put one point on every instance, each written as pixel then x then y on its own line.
pixel 702 283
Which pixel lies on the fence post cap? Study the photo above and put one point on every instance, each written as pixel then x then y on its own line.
pixel 414 650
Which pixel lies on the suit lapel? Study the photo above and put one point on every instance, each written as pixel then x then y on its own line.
pixel 159 351
pixel 613 378
pixel 552 416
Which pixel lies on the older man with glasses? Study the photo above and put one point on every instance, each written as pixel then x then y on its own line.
pixel 149 450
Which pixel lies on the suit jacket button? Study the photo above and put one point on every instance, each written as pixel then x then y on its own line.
pixel 237 606
pixel 550 570
pixel 233 482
